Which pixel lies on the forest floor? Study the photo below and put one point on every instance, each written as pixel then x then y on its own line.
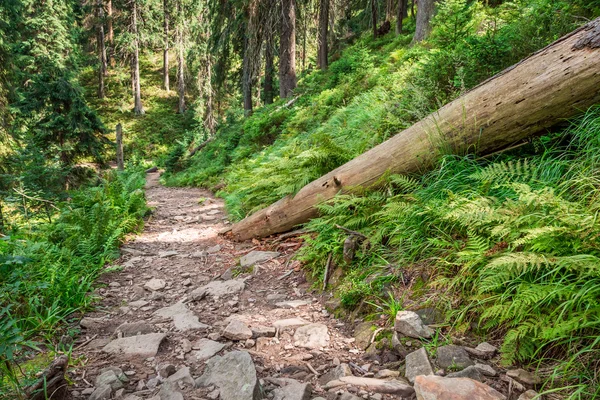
pixel 182 299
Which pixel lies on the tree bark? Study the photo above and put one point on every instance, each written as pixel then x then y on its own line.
pixel 119 151
pixel 425 11
pixel 546 88
pixel 103 67
pixel 180 61
pixel 110 36
pixel 322 51
pixel 166 49
pixel 400 15
pixel 252 52
pixel 269 67
pixel 138 109
pixel 374 17
pixel 287 49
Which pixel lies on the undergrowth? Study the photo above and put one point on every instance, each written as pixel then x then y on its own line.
pixel 47 269
pixel 514 243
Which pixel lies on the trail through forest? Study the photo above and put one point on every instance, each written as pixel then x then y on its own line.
pixel 194 315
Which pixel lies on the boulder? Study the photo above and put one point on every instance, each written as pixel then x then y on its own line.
pixel 409 324
pixel 417 363
pixel 441 388
pixel 312 336
pixel 235 376
pixel 453 358
pixel 141 346
pixel 257 257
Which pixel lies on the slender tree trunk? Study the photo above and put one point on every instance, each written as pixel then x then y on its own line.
pixel 247 79
pixel 252 53
pixel 304 44
pixel 137 95
pixel 180 59
pixel 552 85
pixel 269 68
pixel 103 67
pixel 400 16
pixel 389 10
pixel 425 12
pixel 166 44
pixel 120 158
pixel 412 8
pixel 374 17
pixel 209 118
pixel 110 36
pixel 287 49
pixel 322 39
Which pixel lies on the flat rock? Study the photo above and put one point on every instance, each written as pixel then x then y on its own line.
pixel 289 323
pixel 362 334
pixel 292 303
pixel 138 304
pixel 237 330
pixel 276 297
pixel 182 376
pixel 155 284
pixel 524 377
pixel 214 249
pixel 335 373
pixel 134 328
pixel 293 391
pixel 263 331
pixel 109 378
pixel 417 363
pixel 440 388
pixel 486 369
pixel 235 376
pixel 164 254
pixel 257 257
pixel 453 357
pixel 379 385
pixel 168 391
pixel 313 336
pixel 101 393
pixel 409 324
pixel 140 346
pixel 183 318
pixel 469 372
pixel 219 289
pixel 92 323
pixel 529 395
pixel 205 349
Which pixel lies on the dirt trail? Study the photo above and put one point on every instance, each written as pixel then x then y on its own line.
pixel 179 251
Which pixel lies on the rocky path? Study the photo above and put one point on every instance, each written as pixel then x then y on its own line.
pixel 192 315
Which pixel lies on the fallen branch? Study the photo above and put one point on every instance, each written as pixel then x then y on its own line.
pixel 327 266
pixel 201 146
pixel 351 232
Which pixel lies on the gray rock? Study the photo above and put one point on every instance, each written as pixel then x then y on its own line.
pixel 293 391
pixel 313 336
pixel 409 324
pixel 375 385
pixel 349 396
pixel 387 373
pixel 257 257
pixel 117 371
pixel 237 330
pixel 525 377
pixel 335 373
pixel 141 345
pixel 440 388
pixel 276 297
pixel 166 370
pixel 487 349
pixel 168 391
pixel 430 315
pixel 183 318
pixel 138 303
pixel 417 363
pixel 101 393
pixel 92 323
pixel 289 323
pixel 362 335
pixel 218 289
pixel 453 357
pixel 529 395
pixel 486 369
pixel 109 378
pixel 235 376
pixel 469 372
pixel 134 328
pixel 263 331
pixel 155 284
pixel 214 249
pixel 292 303
pixel 206 348
pixel 182 376
pixel 165 254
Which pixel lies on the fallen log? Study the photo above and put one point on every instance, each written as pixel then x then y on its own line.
pixel 555 83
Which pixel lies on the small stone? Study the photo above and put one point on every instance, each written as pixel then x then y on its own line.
pixel 214 336
pixel 187 282
pixel 409 324
pixel 214 249
pixel 114 285
pixel 92 323
pixel 292 303
pixel 219 289
pixel 529 395
pixel 387 373
pixel 525 377
pixel 469 372
pixel 166 370
pixel 101 393
pixel 375 385
pixel 257 257
pixel 168 391
pixel 141 345
pixel 250 343
pixel 108 378
pixel 487 348
pixel 313 336
pixel 186 345
pixel 155 284
pixel 486 369
pixel 453 358
pixel 237 330
pixel 335 374
pixel 293 391
pixel 290 323
pixel 417 363
pixel 438 388
pixel 182 376
pixel 205 349
pixel 276 297
pixel 235 376
pixel 165 254
pixel 138 304
pixel 134 328
pixel 263 331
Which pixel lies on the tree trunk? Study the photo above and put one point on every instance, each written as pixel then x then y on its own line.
pixel 166 49
pixel 209 118
pixel 322 39
pixel 247 79
pixel 180 60
pixel 138 109
pixel 546 88
pixel 412 8
pixel 287 49
pixel 252 53
pixel 425 11
pixel 110 36
pixel 374 17
pixel 268 89
pixel 119 151
pixel 400 15
pixel 103 67
pixel 389 9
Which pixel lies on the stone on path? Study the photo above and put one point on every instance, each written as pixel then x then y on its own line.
pixel 453 357
pixel 92 323
pixel 469 372
pixel 529 395
pixel 182 376
pixel 409 324
pixel 524 377
pixel 313 336
pixel 183 318
pixel 257 257
pixel 440 388
pixel 292 303
pixel 235 376
pixel 289 323
pixel 140 346
pixel 219 289
pixel 165 254
pixel 168 391
pixel 417 363
pixel 101 393
pixel 134 328
pixel 335 373
pixel 237 330
pixel 374 385
pixel 293 391
pixel 205 349
pixel 263 331
pixel 155 284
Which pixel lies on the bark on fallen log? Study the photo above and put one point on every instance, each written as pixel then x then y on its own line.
pixel 551 85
